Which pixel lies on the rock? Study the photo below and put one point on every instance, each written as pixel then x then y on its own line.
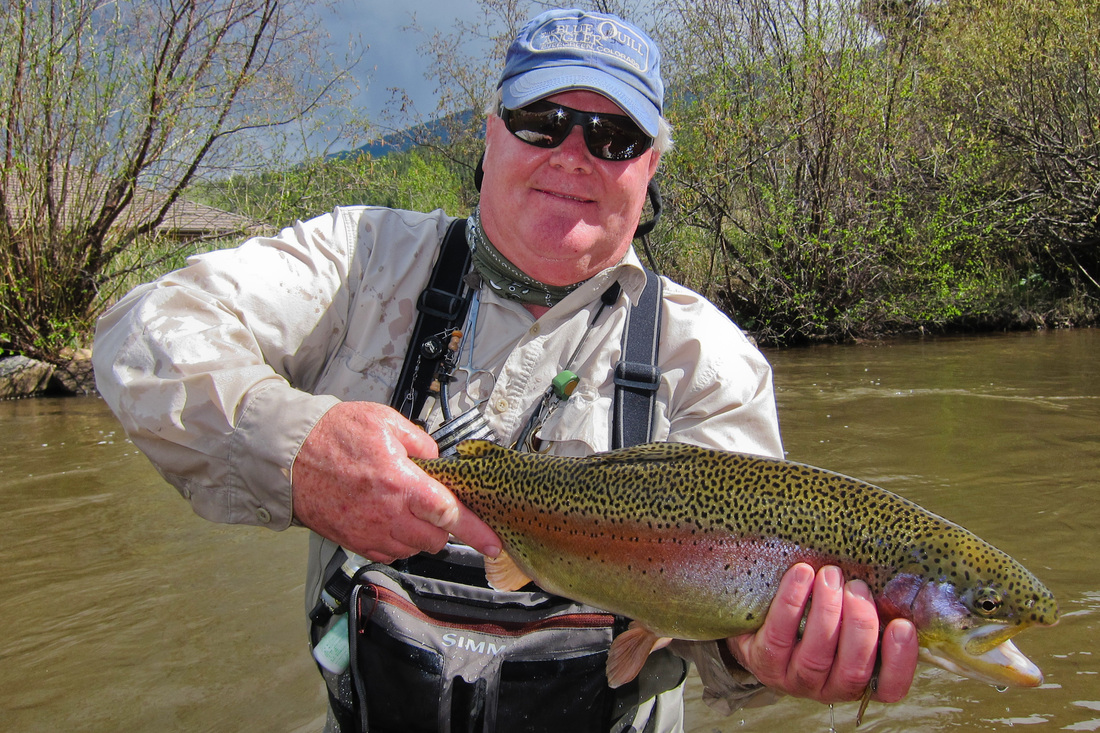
pixel 75 376
pixel 21 376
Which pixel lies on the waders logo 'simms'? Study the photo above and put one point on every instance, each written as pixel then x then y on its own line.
pixel 595 35
pixel 472 645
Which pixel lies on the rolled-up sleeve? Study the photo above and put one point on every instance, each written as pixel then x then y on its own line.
pixel 720 385
pixel 209 367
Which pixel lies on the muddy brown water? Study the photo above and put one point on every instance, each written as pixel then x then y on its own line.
pixel 122 611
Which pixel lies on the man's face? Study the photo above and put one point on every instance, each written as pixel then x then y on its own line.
pixel 560 214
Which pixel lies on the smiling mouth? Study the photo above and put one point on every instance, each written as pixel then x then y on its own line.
pixel 566 196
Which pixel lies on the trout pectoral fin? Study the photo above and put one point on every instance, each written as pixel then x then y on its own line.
pixel 629 652
pixel 503 574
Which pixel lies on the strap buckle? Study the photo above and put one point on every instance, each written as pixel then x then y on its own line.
pixel 638 376
pixel 439 304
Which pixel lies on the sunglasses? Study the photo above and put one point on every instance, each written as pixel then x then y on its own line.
pixel 546 125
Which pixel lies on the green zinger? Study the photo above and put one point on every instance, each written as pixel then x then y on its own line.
pixel 691 543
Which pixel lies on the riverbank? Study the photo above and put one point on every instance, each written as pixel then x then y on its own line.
pixel 22 376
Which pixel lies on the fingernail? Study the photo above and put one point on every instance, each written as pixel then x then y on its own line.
pixel 802 574
pixel 832 577
pixel 860 589
pixel 902 633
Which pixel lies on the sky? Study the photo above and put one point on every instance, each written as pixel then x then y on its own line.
pixel 391 58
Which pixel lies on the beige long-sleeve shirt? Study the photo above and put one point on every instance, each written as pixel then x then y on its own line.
pixel 219 371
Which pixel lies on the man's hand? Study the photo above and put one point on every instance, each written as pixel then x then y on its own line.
pixel 353 483
pixel 835 657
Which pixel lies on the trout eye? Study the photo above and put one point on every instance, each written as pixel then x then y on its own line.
pixel 987 601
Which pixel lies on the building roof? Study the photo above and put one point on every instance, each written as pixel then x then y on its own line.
pixel 184 219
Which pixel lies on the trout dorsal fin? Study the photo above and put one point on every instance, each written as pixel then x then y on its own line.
pixel 478 449
pixel 646 452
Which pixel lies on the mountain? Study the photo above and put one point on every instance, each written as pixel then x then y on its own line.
pixel 434 131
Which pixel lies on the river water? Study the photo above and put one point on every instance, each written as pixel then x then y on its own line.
pixel 122 611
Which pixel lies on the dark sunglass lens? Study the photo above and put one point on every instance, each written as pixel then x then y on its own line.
pixel 546 125
pixel 613 140
pixel 543 127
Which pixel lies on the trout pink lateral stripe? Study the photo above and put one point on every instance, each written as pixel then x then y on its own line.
pixel 730 581
pixel 691 544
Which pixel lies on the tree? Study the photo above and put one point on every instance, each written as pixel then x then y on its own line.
pixel 109 109
pixel 787 116
pixel 1032 115
pixel 464 62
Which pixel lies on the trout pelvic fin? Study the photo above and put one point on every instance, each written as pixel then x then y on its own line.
pixel 629 652
pixel 503 574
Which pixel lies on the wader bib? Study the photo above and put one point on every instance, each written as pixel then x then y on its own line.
pixel 433 649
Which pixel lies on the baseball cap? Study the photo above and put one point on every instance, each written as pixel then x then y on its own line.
pixel 563 50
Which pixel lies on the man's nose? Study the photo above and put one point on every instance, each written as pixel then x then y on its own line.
pixel 573 152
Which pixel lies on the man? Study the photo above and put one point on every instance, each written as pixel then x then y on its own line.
pixel 257 379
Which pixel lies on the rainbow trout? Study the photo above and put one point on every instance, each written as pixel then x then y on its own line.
pixel 691 544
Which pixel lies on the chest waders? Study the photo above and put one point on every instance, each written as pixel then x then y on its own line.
pixel 433 649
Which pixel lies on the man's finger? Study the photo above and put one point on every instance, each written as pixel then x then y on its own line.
pixel 433 503
pixel 767 652
pixel 417 443
pixel 813 659
pixel 855 658
pixel 475 533
pixel 899 650
pixel 442 509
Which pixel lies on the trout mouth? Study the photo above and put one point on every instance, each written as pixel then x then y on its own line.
pixel 984 654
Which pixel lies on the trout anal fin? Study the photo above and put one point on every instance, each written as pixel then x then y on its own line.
pixel 503 574
pixel 629 652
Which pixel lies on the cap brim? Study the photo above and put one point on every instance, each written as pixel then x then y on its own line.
pixel 531 86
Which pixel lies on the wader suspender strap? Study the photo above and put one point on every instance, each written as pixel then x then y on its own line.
pixel 441 306
pixel 637 375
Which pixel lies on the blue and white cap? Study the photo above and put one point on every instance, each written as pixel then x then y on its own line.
pixel 564 50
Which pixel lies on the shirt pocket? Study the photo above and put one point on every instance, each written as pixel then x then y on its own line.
pixel 579 427
pixel 352 376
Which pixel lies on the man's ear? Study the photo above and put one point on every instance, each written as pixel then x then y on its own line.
pixel 653 162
